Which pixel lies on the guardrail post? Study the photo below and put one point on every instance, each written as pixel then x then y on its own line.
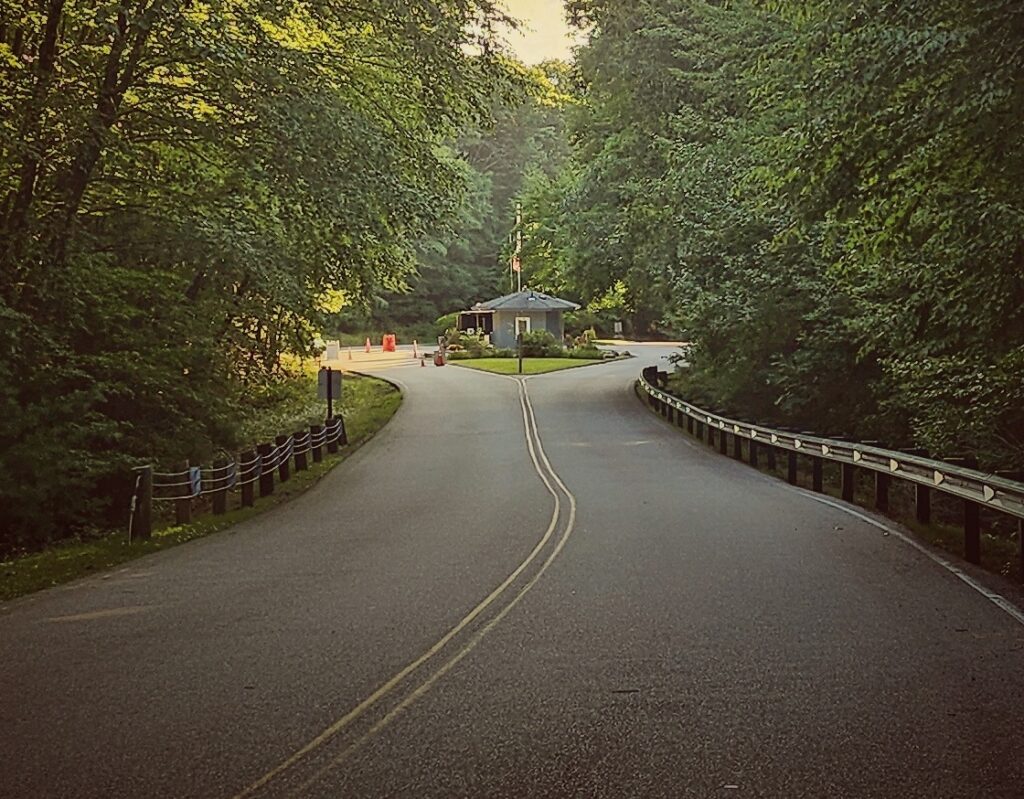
pixel 301 458
pixel 882 491
pixel 142 516
pixel 752 448
pixel 922 493
pixel 1020 543
pixel 266 474
pixel 332 443
pixel 183 506
pixel 923 503
pixel 283 465
pixel 220 496
pixel 972 517
pixel 681 418
pixel 689 424
pixel 316 430
pixel 1018 476
pixel 248 489
pixel 737 446
pixel 771 457
pixel 848 476
pixel 711 434
pixel 723 442
pixel 791 468
pixel 972 531
pixel 817 475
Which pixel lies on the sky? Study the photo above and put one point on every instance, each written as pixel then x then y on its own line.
pixel 544 34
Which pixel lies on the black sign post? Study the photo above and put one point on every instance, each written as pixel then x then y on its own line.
pixel 329 387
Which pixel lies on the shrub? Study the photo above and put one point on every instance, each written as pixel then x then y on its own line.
pixel 541 344
pixel 445 323
pixel 585 353
pixel 477 346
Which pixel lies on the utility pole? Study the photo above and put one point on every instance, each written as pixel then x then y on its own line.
pixel 519 245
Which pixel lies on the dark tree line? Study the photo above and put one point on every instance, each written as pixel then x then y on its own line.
pixel 187 191
pixel 825 198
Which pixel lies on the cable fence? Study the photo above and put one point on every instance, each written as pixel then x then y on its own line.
pixel 250 473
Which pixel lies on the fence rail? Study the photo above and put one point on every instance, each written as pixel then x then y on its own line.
pixel 975 488
pixel 244 473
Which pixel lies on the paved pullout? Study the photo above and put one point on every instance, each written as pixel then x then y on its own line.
pixel 597 609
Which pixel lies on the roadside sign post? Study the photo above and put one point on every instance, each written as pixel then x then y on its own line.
pixel 329 387
pixel 519 345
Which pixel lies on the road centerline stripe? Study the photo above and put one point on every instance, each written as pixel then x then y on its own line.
pixel 388 687
pixel 427 684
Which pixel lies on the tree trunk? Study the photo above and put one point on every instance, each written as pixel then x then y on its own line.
pixel 117 78
pixel 16 207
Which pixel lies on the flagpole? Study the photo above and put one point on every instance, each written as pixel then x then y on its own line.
pixel 519 243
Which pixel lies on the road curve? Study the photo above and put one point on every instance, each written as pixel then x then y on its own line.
pixel 520 589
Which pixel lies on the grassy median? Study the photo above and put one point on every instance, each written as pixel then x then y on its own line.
pixel 531 366
pixel 369 405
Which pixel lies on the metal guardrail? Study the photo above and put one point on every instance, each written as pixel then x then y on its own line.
pixel 977 489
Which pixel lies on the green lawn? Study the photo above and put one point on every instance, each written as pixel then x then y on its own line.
pixel 368 405
pixel 531 366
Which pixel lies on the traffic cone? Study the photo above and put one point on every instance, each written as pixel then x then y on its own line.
pixel 368 344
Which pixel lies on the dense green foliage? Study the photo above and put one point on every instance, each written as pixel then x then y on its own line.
pixel 825 197
pixel 467 261
pixel 186 190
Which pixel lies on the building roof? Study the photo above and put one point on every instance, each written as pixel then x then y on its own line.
pixel 526 301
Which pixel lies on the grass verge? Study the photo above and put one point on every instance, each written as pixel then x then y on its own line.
pixel 531 366
pixel 369 404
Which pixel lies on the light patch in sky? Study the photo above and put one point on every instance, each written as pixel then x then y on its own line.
pixel 544 34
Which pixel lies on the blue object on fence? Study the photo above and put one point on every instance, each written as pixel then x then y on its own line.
pixel 195 478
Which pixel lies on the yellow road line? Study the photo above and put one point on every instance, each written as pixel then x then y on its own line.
pixel 424 687
pixel 385 689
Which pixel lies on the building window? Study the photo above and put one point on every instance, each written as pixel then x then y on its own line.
pixel 522 324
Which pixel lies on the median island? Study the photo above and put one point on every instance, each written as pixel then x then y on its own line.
pixel 531 366
pixel 541 353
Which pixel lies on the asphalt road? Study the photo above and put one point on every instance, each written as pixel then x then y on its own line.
pixel 520 590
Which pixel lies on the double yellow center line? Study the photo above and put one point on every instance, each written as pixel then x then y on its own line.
pixel 414 689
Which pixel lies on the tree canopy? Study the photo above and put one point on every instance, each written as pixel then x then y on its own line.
pixel 824 198
pixel 186 189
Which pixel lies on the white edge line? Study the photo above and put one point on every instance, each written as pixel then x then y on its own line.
pixel 995 598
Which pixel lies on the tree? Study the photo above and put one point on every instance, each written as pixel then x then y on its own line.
pixel 182 186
